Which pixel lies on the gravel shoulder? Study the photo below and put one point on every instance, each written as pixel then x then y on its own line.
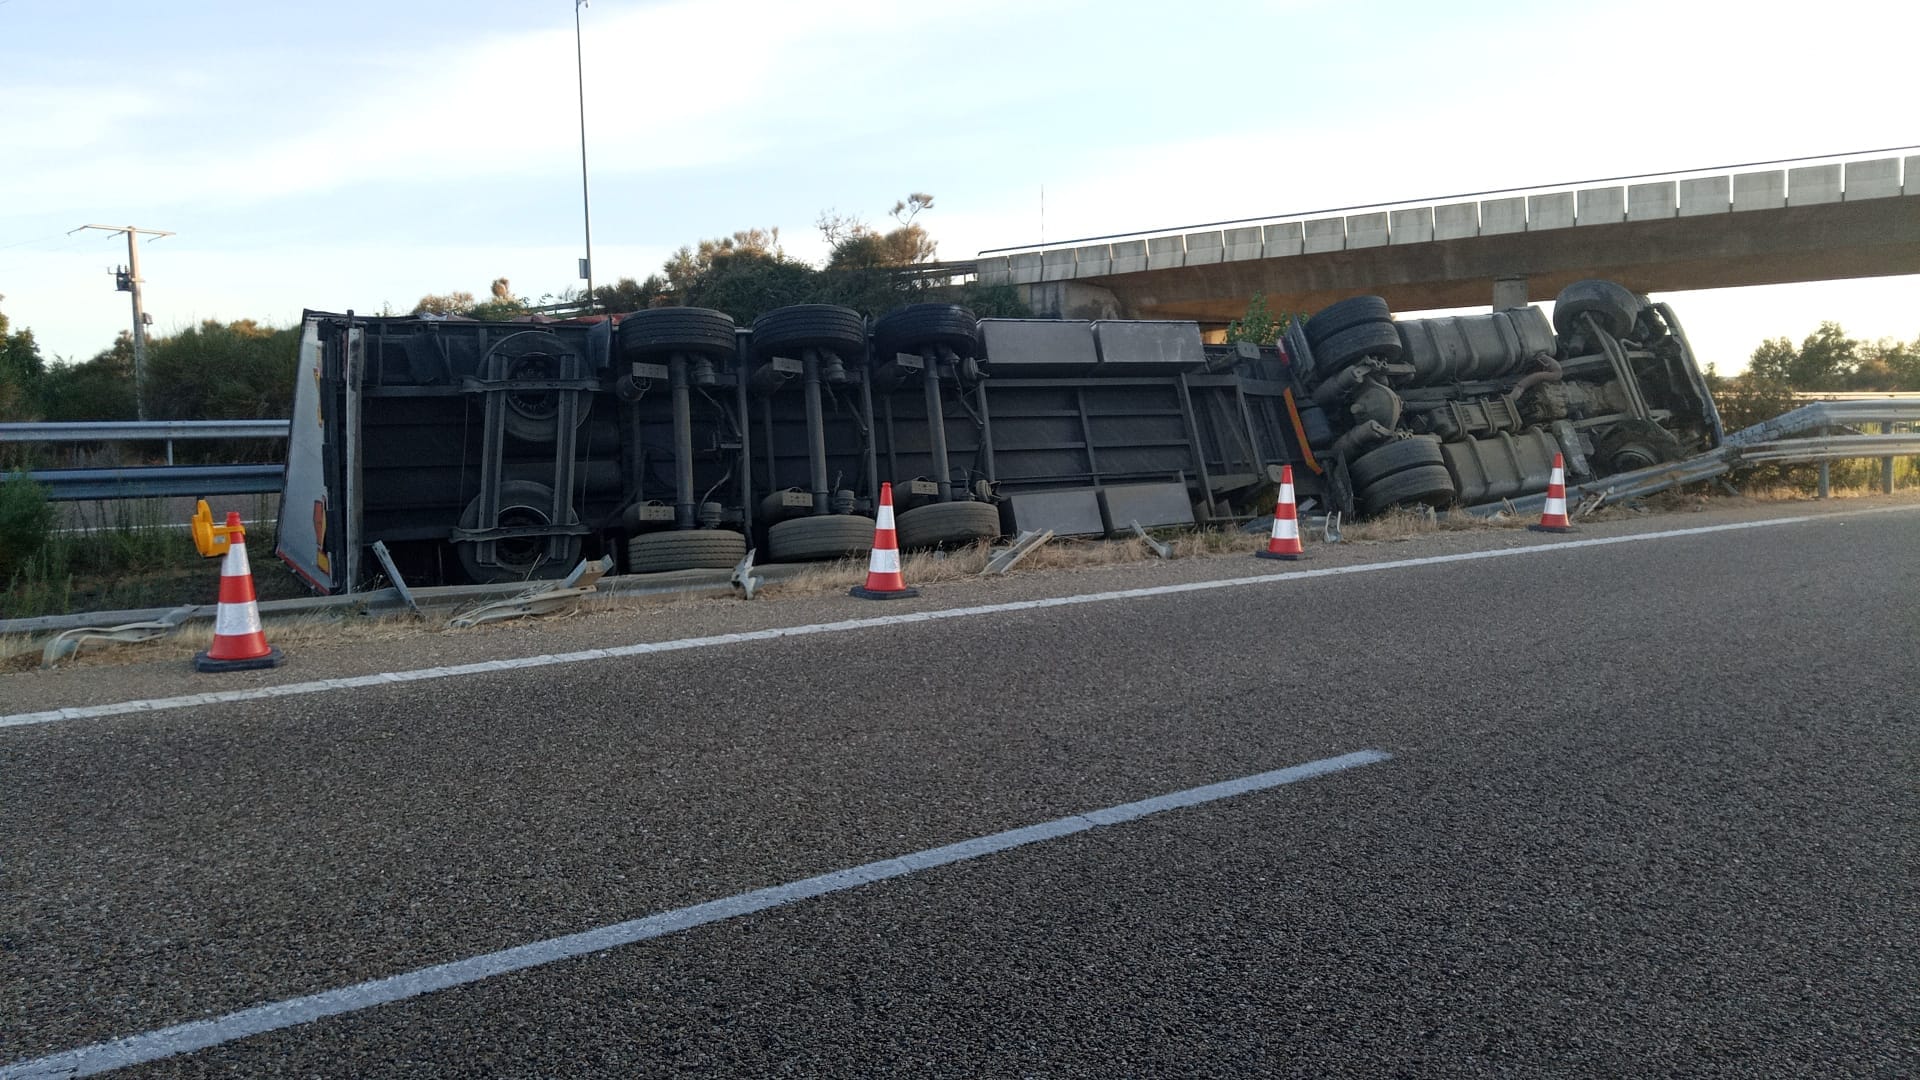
pixel 333 648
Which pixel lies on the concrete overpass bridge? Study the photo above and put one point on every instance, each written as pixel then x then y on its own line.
pixel 1813 219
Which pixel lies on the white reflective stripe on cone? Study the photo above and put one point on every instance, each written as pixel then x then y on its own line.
pixel 1559 477
pixel 1286 493
pixel 884 519
pixel 236 564
pixel 1557 506
pixel 884 561
pixel 1286 529
pixel 233 620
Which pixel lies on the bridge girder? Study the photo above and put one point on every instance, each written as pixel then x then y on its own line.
pixel 1823 242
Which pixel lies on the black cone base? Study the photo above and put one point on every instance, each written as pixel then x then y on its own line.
pixel 274 658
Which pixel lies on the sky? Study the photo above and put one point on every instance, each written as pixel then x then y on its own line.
pixel 359 154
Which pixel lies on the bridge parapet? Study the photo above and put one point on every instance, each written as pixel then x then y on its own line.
pixel 1656 197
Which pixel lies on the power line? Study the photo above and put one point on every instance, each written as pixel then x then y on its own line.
pixel 127 279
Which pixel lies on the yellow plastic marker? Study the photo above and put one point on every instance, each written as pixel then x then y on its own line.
pixel 213 540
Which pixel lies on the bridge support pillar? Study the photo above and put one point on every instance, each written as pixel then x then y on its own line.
pixel 1509 292
pixel 1074 300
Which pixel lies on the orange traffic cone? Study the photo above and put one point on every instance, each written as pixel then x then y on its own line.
pixel 1553 516
pixel 883 566
pixel 1285 541
pixel 238 642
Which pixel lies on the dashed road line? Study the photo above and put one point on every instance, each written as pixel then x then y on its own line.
pixel 259 1019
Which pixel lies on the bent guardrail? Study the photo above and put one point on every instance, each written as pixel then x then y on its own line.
pixel 1779 441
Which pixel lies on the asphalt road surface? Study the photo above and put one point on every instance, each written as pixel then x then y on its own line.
pixel 1638 809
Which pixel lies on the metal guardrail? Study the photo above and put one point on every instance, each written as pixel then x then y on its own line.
pixel 159 481
pixel 1827 414
pixel 143 430
pixel 1856 395
pixel 151 481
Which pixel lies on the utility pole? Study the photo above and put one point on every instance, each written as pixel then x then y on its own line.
pixel 586 212
pixel 128 280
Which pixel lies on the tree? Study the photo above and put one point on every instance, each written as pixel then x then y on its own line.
pixel 453 303
pixel 98 389
pixel 1888 364
pixel 1772 361
pixel 1746 399
pixel 627 294
pixel 21 369
pixel 747 284
pixel 854 245
pixel 223 371
pixel 687 265
pixel 501 305
pixel 1826 360
pixel 1259 325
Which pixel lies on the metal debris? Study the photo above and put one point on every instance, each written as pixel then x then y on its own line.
pixel 1160 550
pixel 541 600
pixel 393 574
pixel 67 644
pixel 744 578
pixel 1006 557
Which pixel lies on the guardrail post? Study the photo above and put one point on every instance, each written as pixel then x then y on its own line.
pixel 1886 463
pixel 169 451
pixel 1826 478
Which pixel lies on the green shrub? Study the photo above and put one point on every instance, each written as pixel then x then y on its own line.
pixel 26 519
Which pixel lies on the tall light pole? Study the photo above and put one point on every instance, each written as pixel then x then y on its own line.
pixel 586 207
pixel 129 281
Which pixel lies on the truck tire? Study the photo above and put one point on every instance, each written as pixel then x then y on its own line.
pixel 1340 350
pixel 823 536
pixel 940 524
pixel 685 549
pixel 917 326
pixel 663 331
pixel 522 502
pixel 1635 444
pixel 1428 484
pixel 1345 315
pixel 1395 457
pixel 533 416
pixel 810 326
pixel 1612 306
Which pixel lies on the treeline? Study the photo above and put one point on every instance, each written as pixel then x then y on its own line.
pixel 244 370
pixel 215 371
pixel 870 269
pixel 1826 361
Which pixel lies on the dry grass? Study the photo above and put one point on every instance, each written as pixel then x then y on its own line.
pixel 21 652
pixel 1402 524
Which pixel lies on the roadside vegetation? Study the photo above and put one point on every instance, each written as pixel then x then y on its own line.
pixel 116 556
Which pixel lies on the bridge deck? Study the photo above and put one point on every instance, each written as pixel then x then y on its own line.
pixel 1818 222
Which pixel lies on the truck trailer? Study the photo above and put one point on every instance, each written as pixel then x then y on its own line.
pixel 672 439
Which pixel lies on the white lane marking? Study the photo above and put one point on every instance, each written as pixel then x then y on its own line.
pixel 201 1034
pixel 221 697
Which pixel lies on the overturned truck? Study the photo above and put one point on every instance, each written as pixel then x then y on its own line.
pixel 672 439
